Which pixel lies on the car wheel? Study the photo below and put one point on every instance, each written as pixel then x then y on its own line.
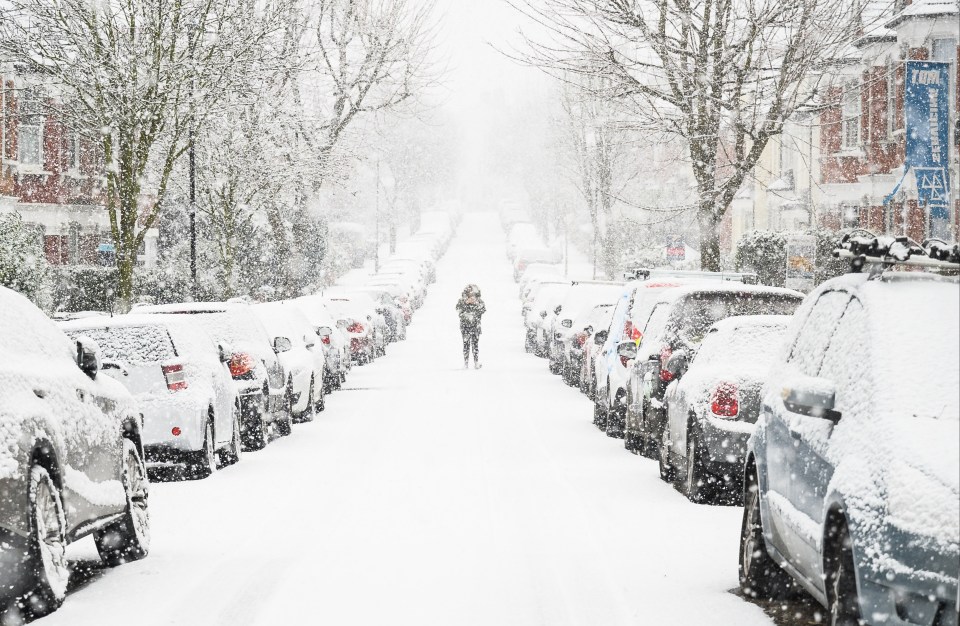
pixel 668 472
pixel 284 427
pixel 205 462
pixel 232 454
pixel 844 602
pixel 616 418
pixel 321 404
pixel 696 482
pixel 760 576
pixel 310 412
pixel 599 416
pixel 46 558
pixel 129 538
pixel 254 434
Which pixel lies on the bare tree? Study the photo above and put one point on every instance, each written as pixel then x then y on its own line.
pixel 143 72
pixel 721 76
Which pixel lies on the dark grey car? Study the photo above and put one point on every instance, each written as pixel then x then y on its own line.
pixel 71 459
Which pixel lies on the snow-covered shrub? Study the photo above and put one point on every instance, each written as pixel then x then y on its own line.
pixel 84 288
pixel 23 267
pixel 763 252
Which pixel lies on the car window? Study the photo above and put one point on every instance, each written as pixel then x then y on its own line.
pixel 132 344
pixel 843 359
pixel 654 325
pixel 814 337
pixel 695 313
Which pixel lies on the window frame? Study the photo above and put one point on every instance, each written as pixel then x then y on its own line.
pixel 851 112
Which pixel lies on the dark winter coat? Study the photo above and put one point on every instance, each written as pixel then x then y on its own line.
pixel 470 310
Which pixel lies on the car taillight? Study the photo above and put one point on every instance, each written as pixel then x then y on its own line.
pixel 665 353
pixel 175 376
pixel 241 363
pixel 725 401
pixel 627 328
pixel 356 327
pixel 581 338
pixel 624 361
pixel 325 340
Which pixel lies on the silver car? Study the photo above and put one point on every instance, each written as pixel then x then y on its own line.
pixel 180 379
pixel 71 460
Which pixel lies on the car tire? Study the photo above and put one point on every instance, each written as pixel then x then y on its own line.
pixel 128 539
pixel 616 418
pixel 696 480
pixel 668 473
pixel 231 455
pixel 320 404
pixel 761 577
pixel 308 413
pixel 46 559
pixel 842 588
pixel 599 416
pixel 284 425
pixel 254 436
pixel 205 460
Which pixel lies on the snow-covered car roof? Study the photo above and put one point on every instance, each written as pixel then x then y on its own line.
pixel 26 332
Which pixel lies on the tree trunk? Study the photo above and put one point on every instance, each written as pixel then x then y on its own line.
pixel 709 238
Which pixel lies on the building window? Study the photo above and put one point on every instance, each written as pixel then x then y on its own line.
pixel 72 152
pixel 850 216
pixel 786 163
pixel 30 128
pixel 851 115
pixel 944 50
pixel 893 86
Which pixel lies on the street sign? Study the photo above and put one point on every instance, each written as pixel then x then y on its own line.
pixel 676 251
pixel 801 262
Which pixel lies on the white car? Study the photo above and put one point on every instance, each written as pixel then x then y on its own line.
pixel 296 342
pixel 336 344
pixel 180 379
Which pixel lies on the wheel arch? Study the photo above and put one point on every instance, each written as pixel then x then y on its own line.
pixel 130 429
pixel 44 454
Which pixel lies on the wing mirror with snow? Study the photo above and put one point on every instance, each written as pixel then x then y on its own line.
pixel 812 396
pixel 678 362
pixel 88 356
pixel 281 344
pixel 627 349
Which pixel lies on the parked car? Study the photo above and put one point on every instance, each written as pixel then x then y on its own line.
pixel 181 382
pixel 679 318
pixel 577 303
pixel 71 460
pixel 357 321
pixel 597 329
pixel 852 476
pixel 713 403
pixel 536 254
pixel 257 372
pixel 299 350
pixel 396 324
pixel 336 344
pixel 539 318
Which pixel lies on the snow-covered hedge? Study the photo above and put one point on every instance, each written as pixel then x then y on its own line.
pixel 83 288
pixel 764 252
pixel 23 266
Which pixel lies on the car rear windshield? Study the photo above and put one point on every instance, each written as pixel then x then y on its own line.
pixel 132 344
pixel 695 313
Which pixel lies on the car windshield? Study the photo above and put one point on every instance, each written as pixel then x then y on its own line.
pixel 132 344
pixel 753 345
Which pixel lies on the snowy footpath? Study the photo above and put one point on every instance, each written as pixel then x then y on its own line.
pixel 432 495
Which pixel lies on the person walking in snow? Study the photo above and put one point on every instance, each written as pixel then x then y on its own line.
pixel 470 308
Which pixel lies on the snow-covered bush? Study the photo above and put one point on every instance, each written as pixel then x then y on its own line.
pixel 764 252
pixel 83 288
pixel 23 267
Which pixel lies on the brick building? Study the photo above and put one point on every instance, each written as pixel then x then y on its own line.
pixel 53 175
pixel 835 164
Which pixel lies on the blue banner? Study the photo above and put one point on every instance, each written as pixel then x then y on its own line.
pixel 927 113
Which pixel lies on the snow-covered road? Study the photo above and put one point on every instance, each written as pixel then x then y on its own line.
pixel 427 494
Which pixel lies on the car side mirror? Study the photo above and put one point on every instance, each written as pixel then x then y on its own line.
pixel 225 353
pixel 627 349
pixel 678 362
pixel 811 396
pixel 600 337
pixel 543 314
pixel 308 341
pixel 566 323
pixel 557 310
pixel 88 356
pixel 281 344
pixel 324 331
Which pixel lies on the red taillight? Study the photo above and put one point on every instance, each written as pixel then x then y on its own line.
pixel 175 376
pixel 325 340
pixel 581 338
pixel 241 363
pixel 356 327
pixel 624 360
pixel 627 328
pixel 726 400
pixel 176 431
pixel 665 353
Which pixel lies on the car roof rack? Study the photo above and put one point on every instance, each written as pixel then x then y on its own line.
pixel 646 273
pixel 880 252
